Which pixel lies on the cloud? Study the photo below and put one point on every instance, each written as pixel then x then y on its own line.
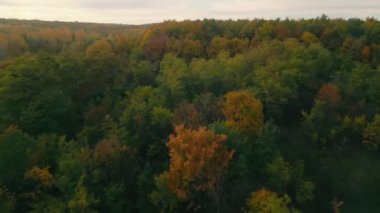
pixel 147 11
pixel 35 3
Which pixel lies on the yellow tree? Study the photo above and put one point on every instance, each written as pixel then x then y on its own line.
pixel 243 112
pixel 41 182
pixel 41 176
pixel 198 158
pixel 217 45
pixel 309 38
pixel 99 48
pixel 265 201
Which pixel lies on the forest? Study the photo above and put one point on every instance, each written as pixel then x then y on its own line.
pixel 259 116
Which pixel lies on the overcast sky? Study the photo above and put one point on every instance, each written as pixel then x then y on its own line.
pixel 148 11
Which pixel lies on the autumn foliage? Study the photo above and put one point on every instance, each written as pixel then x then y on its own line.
pixel 41 176
pixel 243 112
pixel 187 115
pixel 109 150
pixel 265 201
pixel 329 93
pixel 156 46
pixel 99 48
pixel 198 158
pixel 169 117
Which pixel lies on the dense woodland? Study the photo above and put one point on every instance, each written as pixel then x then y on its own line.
pixel 192 116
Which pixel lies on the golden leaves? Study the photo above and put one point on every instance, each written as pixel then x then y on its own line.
pixel 42 176
pixel 99 48
pixel 265 201
pixel 197 160
pixel 243 112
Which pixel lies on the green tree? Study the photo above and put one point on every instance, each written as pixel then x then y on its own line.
pixel 32 98
pixel 82 201
pixel 279 173
pixel 14 161
pixel 372 134
pixel 171 77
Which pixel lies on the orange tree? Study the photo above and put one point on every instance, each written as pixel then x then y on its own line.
pixel 198 158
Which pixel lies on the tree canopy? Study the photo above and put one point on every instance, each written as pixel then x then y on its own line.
pixel 190 116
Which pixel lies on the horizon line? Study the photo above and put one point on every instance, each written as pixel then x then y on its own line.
pixel 192 20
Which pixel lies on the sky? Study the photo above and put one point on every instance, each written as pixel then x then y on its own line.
pixel 151 11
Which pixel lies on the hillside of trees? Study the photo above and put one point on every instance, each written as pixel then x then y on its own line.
pixel 272 116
